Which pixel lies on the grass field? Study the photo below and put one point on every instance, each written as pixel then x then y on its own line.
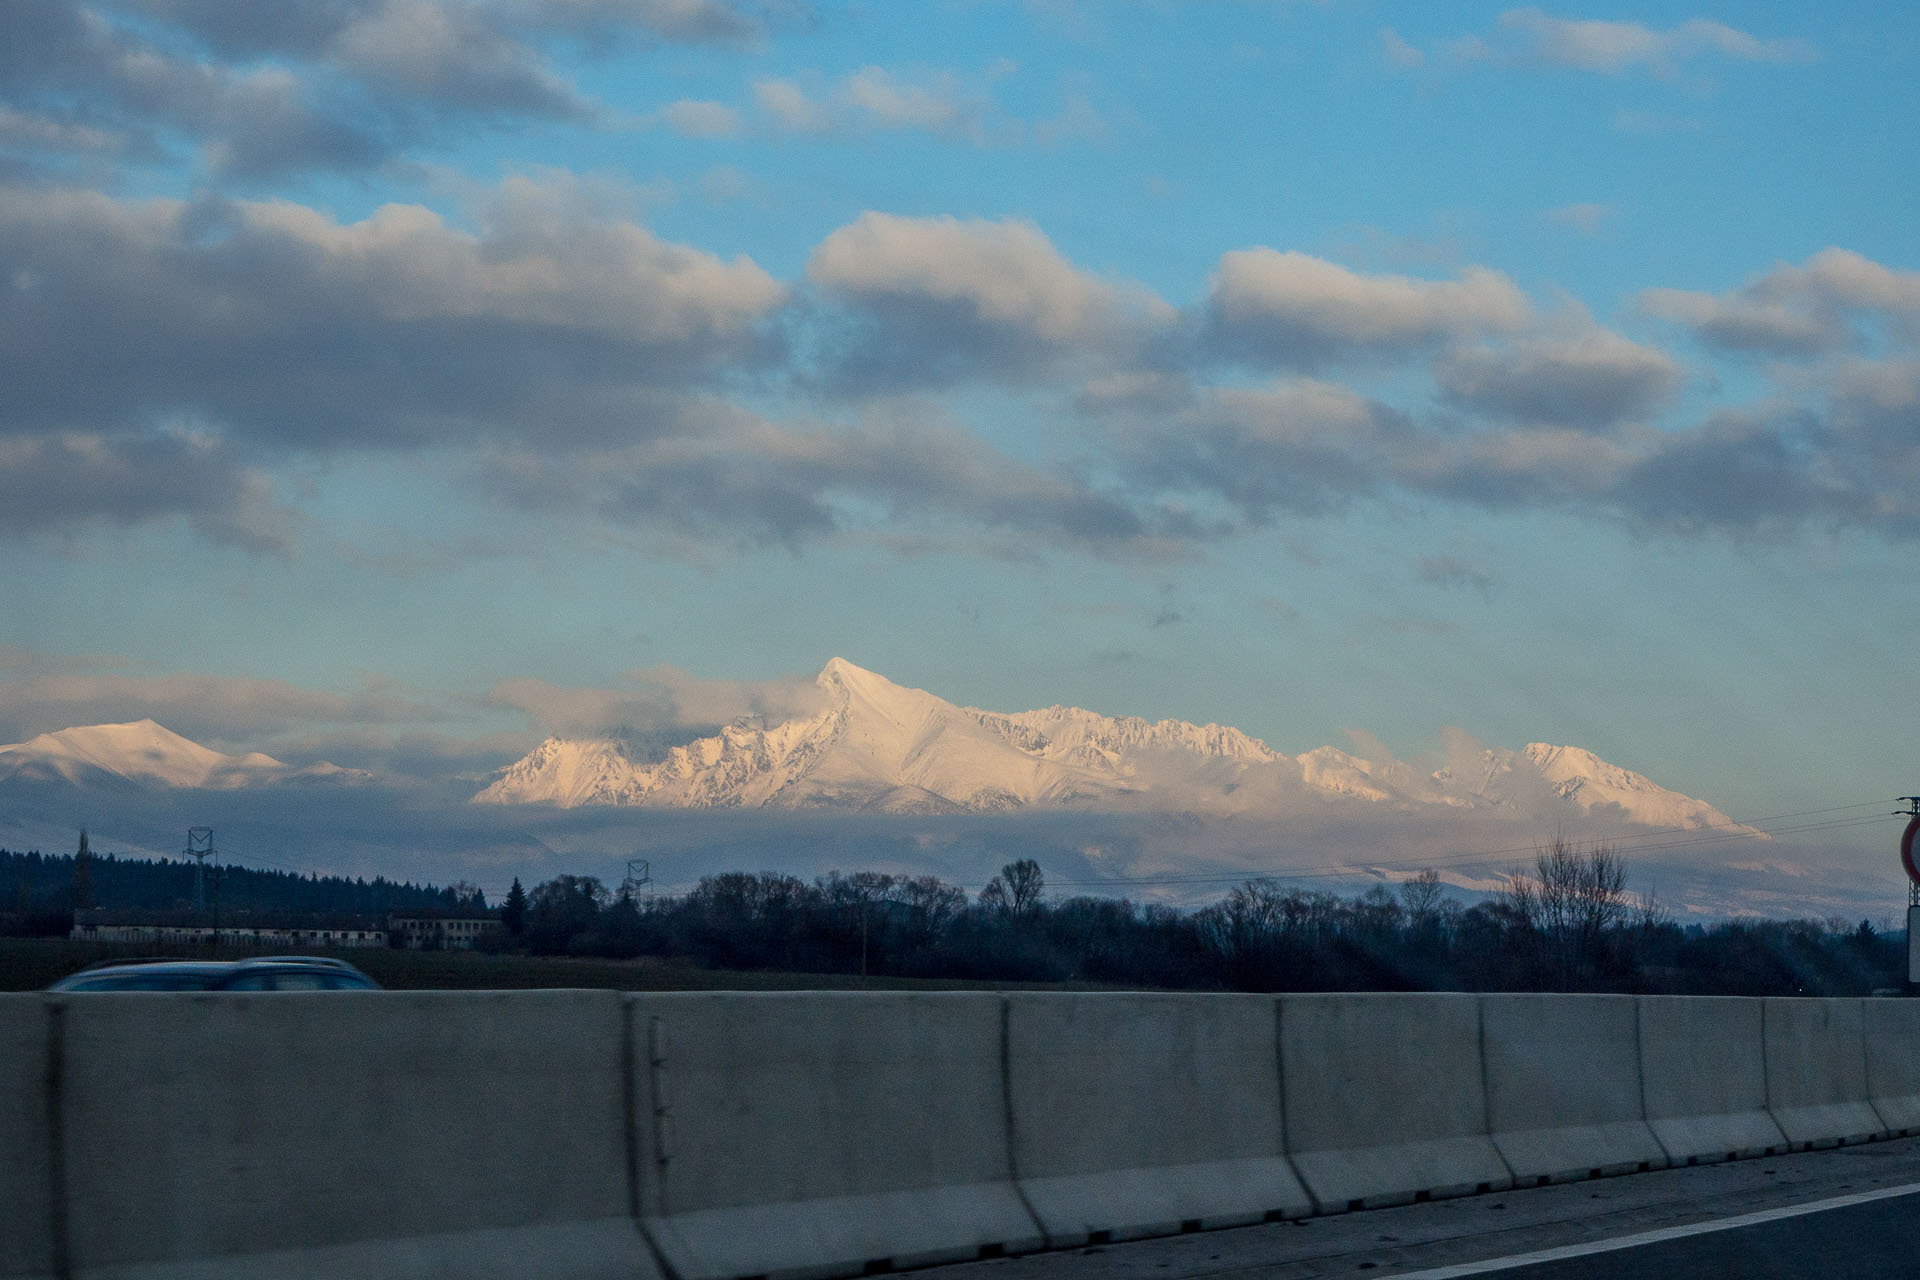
pixel 28 964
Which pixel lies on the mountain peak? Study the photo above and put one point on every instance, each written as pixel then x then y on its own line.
pixel 145 751
pixel 841 674
pixel 880 746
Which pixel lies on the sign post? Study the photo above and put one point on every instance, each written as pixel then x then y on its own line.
pixel 1907 853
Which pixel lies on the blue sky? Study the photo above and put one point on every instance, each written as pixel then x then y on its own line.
pixel 395 381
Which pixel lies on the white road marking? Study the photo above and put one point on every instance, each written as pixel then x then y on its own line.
pixel 1655 1237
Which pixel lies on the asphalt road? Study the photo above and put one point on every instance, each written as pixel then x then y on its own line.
pixel 1706 1214
pixel 1876 1238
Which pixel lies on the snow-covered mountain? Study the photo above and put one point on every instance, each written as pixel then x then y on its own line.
pixel 1591 784
pixel 148 754
pixel 878 746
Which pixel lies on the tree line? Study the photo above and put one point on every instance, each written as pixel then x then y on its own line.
pixel 39 892
pixel 1567 922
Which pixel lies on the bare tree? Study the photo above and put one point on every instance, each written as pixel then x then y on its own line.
pixel 1421 896
pixel 1573 899
pixel 1017 889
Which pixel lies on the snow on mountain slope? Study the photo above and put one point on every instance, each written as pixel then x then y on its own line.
pixel 879 746
pixel 1590 782
pixel 1574 775
pixel 146 753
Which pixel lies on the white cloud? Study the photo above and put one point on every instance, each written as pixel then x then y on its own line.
pixel 1530 37
pixel 1001 273
pixel 936 102
pixel 941 300
pixel 936 105
pixel 1290 308
pixel 1586 218
pixel 544 258
pixel 1400 55
pixel 691 118
pixel 791 108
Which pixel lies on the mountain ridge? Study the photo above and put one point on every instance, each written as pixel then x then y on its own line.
pixel 145 753
pixel 883 747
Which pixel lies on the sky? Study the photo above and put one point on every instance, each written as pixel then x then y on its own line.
pixel 394 382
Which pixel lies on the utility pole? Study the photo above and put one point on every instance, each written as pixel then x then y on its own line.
pixel 639 876
pixel 200 848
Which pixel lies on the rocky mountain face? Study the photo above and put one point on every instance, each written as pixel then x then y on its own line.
pixel 878 746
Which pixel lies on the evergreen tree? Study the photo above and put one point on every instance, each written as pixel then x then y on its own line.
pixel 83 875
pixel 513 916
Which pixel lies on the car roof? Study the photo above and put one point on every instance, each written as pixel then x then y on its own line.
pixel 177 964
pixel 210 969
pixel 317 962
pixel 160 966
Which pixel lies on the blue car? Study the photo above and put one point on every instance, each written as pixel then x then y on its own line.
pixel 263 973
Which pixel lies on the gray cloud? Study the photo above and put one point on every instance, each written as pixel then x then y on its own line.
pixel 1302 447
pixel 1740 472
pixel 1455 574
pixel 273 88
pixel 279 326
pixel 761 483
pixel 1292 310
pixel 163 354
pixel 253 120
pixel 224 711
pixel 1591 379
pixel 74 479
pixel 935 300
pixel 456 57
pixel 1805 310
pixel 662 699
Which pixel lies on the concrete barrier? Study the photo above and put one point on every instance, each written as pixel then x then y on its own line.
pixel 824 1133
pixel 1817 1071
pixel 1139 1115
pixel 493 1135
pixel 1892 1030
pixel 1704 1080
pixel 382 1134
pixel 1385 1100
pixel 1563 1086
pixel 27 1224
